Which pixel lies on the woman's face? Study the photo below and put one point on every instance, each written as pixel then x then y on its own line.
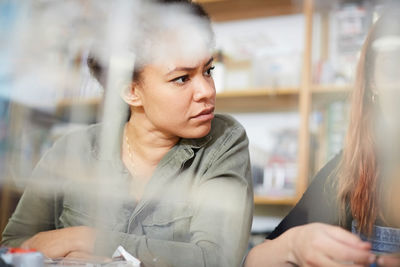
pixel 178 97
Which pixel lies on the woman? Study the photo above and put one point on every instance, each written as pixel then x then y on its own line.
pixel 177 190
pixel 358 189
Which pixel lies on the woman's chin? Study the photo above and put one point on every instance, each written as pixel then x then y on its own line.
pixel 197 132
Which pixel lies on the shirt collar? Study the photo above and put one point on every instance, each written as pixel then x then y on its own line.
pixel 196 143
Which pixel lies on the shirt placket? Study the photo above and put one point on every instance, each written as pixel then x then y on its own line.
pixel 167 170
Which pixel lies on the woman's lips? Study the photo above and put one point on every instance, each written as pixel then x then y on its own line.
pixel 205 115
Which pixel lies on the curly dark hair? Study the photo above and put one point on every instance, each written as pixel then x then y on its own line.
pixel 99 71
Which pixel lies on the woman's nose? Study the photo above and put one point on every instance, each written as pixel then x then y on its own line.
pixel 204 89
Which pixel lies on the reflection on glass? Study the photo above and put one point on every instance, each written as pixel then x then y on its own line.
pixel 161 175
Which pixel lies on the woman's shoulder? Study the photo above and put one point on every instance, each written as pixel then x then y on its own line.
pixel 78 141
pixel 226 121
pixel 225 125
pixel 85 133
pixel 69 157
pixel 226 134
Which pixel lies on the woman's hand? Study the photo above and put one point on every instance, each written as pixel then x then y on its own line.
pixel 316 245
pixel 389 260
pixel 325 245
pixel 60 243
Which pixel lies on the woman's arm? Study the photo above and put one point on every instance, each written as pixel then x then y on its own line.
pixel 62 242
pixel 35 210
pixel 301 239
pixel 38 212
pixel 312 245
pixel 36 217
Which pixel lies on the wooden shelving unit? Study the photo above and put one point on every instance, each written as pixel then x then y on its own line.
pixel 331 89
pixel 223 10
pixel 258 100
pixel 301 99
pixel 277 99
pixel 258 92
pixel 245 100
pixel 86 108
pixel 324 94
pixel 294 99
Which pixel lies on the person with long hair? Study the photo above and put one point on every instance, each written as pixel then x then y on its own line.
pixel 175 189
pixel 358 190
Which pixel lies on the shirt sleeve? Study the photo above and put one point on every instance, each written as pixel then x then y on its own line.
pixel 318 203
pixel 221 222
pixel 36 209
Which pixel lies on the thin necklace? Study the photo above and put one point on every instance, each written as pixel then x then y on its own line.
pixel 136 185
pixel 129 151
pixel 128 144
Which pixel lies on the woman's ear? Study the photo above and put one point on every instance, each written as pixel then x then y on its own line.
pixel 131 95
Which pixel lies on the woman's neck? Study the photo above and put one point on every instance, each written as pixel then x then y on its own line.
pixel 147 143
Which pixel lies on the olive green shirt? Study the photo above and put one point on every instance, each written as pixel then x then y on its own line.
pixel 196 209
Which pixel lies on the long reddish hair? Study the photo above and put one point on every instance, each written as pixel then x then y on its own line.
pixel 357 178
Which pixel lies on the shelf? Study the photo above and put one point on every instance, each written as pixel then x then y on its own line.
pixel 282 99
pixel 246 100
pixel 83 101
pixel 325 94
pixel 318 89
pixel 258 100
pixel 225 10
pixel 258 92
pixel 208 1
pixel 79 110
pixel 265 200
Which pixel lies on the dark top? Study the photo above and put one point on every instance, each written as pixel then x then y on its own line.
pixel 318 203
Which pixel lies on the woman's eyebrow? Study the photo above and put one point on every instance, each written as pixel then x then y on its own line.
pixel 188 69
pixel 209 61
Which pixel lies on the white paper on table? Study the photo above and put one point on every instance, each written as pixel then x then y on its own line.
pixel 120 252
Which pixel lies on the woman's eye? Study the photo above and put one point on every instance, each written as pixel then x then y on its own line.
pixel 208 72
pixel 181 79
